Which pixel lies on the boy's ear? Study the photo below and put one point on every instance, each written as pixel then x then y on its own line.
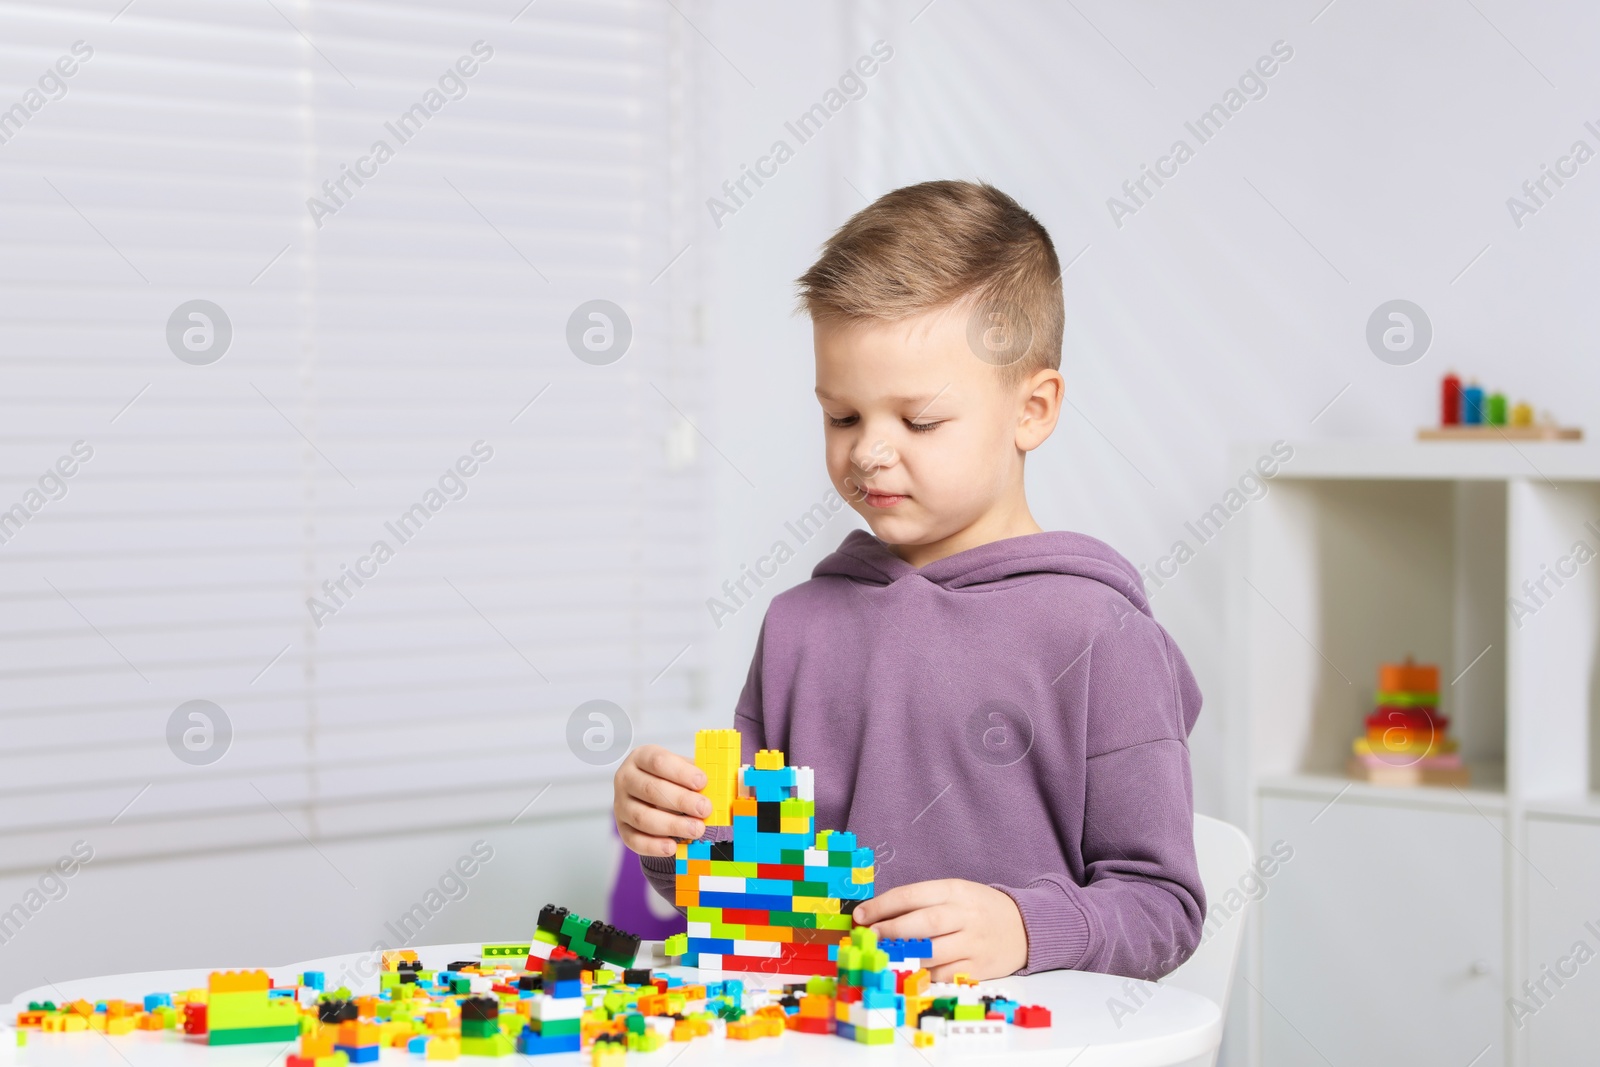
pixel 1041 407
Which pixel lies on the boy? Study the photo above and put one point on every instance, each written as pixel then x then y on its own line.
pixel 990 706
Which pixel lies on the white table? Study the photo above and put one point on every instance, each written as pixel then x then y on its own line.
pixel 1171 1027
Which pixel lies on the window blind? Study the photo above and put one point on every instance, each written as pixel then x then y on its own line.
pixel 394 318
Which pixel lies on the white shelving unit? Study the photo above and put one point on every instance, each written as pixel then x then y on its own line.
pixel 1408 917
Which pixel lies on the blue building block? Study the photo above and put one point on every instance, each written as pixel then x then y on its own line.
pixel 313 980
pixel 418 1044
pixel 362 1054
pixel 752 901
pixel 878 981
pixel 878 998
pixel 900 949
pixel 700 850
pixel 532 1043
pixel 152 1001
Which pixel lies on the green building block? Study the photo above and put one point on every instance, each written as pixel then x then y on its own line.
pixel 249 1035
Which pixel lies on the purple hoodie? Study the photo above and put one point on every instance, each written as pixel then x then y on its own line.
pixel 1011 714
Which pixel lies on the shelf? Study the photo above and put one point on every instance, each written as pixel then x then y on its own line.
pixel 1573 809
pixel 1436 460
pixel 1486 794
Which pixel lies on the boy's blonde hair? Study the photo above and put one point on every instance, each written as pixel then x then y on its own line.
pixel 941 244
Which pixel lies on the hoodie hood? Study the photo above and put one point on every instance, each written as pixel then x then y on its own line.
pixel 863 557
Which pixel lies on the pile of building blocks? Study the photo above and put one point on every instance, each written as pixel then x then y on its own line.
pixel 777 897
pixel 1407 741
pixel 481 1008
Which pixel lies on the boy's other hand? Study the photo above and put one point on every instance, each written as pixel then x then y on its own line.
pixel 975 928
pixel 656 801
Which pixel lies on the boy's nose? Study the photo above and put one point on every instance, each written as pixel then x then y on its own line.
pixel 869 457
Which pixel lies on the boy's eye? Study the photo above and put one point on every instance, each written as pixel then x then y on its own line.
pixel 848 420
pixel 921 427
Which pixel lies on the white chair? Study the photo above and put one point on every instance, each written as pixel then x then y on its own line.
pixel 1225 855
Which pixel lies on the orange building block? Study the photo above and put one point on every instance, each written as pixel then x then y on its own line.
pixel 238 981
pixel 1408 677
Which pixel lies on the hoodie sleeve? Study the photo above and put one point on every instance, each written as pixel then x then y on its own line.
pixel 662 870
pixel 1140 908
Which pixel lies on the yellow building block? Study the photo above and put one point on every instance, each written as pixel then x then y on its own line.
pixel 921 1039
pixel 716 752
pixel 769 759
pixel 443 1048
pixel 861 875
pixel 817 905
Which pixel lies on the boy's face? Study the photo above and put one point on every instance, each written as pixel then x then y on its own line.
pixel 922 437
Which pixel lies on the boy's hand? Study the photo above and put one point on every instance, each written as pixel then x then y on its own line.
pixel 975 928
pixel 656 800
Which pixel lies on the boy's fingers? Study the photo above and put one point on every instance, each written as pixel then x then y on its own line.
pixel 944 972
pixel 938 921
pixel 900 900
pixel 644 844
pixel 669 797
pixel 657 823
pixel 664 763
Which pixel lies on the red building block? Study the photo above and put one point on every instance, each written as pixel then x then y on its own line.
pixel 1033 1015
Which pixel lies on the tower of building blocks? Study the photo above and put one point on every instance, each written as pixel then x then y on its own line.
pixel 241 1009
pixel 1407 741
pixel 868 1008
pixel 481 1032
pixel 778 896
pixel 555 1016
